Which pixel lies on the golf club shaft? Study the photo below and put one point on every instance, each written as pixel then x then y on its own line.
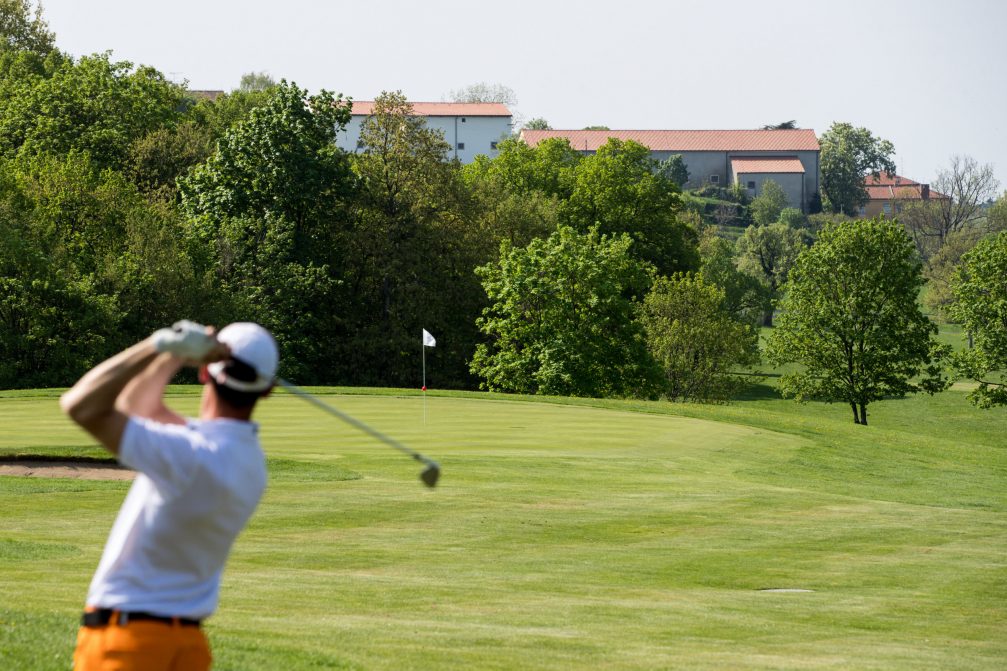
pixel 352 421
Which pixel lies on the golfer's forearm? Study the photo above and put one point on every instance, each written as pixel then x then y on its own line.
pixel 93 398
pixel 143 396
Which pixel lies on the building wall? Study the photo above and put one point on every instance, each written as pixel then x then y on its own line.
pixel 793 185
pixel 704 164
pixel 468 137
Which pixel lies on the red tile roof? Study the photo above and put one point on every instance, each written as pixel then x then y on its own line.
pixel 888 179
pixel 784 164
pixel 887 186
pixel 686 140
pixel 366 107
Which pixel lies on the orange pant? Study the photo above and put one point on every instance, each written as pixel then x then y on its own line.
pixel 142 646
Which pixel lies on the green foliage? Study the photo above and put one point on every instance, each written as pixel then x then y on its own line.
pixel 996 215
pixel 157 159
pixel 981 307
pixel 91 105
pixel 674 168
pixel 549 168
pixel 767 253
pixel 618 191
pixel 410 254
pixel 88 265
pixel 852 321
pixel 256 81
pixel 746 298
pixel 267 209
pixel 941 268
pixel 538 123
pixel 848 155
pixel 696 340
pixel 791 217
pixel 22 28
pixel 561 319
pixel 767 206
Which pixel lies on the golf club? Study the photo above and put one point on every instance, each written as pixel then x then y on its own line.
pixel 429 475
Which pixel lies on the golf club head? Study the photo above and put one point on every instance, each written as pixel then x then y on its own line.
pixel 430 474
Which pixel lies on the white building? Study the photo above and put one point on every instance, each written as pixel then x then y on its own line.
pixel 746 157
pixel 470 128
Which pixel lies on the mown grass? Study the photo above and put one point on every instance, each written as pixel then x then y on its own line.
pixel 566 534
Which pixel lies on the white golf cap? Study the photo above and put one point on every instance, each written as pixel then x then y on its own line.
pixel 251 345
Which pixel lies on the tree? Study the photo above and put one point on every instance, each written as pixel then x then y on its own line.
pixel 981 307
pixel 268 210
pixel 941 268
pixel 785 125
pixel 674 169
pixel 851 320
pixel 768 253
pixel 597 128
pixel 482 92
pixel 996 215
pixel 767 206
pixel 561 319
pixel 694 338
pixel 156 160
pixel 746 299
pixel 538 123
pixel 961 190
pixel 410 253
pixel 848 155
pixel 91 105
pixel 22 28
pixel 618 191
pixel 256 81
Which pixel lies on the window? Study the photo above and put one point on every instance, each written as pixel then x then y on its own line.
pixel 714 179
pixel 887 207
pixel 751 185
pixel 493 145
pixel 461 145
pixel 463 119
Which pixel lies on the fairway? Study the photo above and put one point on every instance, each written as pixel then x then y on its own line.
pixel 564 535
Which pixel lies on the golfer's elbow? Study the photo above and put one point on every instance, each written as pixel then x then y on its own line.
pixel 75 406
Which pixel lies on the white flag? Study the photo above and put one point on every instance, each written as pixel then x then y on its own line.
pixel 428 340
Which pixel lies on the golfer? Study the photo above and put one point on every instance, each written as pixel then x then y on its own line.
pixel 197 484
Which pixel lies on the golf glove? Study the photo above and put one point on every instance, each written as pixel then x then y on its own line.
pixel 185 339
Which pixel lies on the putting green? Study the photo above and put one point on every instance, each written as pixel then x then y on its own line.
pixel 560 537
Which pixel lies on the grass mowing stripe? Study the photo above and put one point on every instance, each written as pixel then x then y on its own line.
pixel 584 534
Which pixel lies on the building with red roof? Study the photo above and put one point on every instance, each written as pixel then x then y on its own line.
pixel 470 129
pixel 750 158
pixel 889 193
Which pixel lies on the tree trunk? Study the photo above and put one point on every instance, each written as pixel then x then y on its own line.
pixel 863 414
pixel 856 415
pixel 767 318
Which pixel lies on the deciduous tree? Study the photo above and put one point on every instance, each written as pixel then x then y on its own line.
pixel 852 321
pixel 980 306
pixel 848 155
pixel 696 340
pixel 767 253
pixel 562 321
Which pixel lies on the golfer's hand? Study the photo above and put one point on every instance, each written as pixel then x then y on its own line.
pixel 192 342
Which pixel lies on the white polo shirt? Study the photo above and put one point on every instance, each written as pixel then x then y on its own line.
pixel 196 487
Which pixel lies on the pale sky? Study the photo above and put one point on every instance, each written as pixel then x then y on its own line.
pixel 928 75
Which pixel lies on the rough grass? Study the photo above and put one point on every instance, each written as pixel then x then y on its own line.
pixel 567 534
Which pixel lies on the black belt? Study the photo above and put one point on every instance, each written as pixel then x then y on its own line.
pixel 103 616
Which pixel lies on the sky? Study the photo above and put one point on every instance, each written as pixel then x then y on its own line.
pixel 928 75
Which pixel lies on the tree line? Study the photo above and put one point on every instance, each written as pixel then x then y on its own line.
pixel 126 203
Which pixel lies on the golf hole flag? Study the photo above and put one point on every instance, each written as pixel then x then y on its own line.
pixel 428 340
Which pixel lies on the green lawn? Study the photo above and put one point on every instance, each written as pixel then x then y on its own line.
pixel 566 535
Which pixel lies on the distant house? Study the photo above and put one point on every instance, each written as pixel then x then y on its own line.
pixel 889 193
pixel 747 157
pixel 470 128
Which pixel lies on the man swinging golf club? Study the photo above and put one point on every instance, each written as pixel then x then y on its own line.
pixel 197 485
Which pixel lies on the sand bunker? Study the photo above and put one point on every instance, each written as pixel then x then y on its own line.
pixel 80 470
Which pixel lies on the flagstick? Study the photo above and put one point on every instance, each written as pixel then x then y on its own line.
pixel 424 348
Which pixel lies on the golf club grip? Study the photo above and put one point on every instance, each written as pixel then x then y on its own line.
pixel 352 421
